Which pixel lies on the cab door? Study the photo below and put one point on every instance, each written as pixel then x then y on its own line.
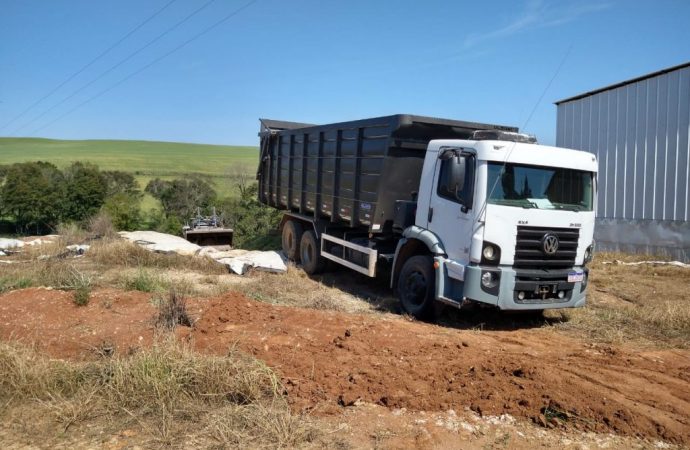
pixel 451 206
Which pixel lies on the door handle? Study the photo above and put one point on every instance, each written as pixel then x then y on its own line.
pixel 431 214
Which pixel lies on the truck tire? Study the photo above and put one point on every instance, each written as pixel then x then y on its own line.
pixel 417 287
pixel 310 253
pixel 292 233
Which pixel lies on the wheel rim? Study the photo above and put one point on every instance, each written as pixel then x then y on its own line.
pixel 415 288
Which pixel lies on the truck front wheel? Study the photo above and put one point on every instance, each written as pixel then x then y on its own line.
pixel 310 253
pixel 417 286
pixel 292 233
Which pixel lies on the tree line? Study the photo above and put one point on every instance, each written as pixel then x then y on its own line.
pixel 35 197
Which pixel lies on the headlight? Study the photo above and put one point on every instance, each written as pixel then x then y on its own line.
pixel 491 253
pixel 589 254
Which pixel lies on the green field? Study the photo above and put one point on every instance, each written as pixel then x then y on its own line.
pixel 222 164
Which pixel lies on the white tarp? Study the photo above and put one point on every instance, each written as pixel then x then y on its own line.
pixel 47 239
pixel 268 261
pixel 239 261
pixel 161 242
pixel 9 244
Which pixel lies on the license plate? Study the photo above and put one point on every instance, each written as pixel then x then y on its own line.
pixel 574 277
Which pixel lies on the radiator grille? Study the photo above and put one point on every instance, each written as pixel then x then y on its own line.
pixel 529 251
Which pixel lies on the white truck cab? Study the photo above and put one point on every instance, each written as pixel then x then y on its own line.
pixel 514 222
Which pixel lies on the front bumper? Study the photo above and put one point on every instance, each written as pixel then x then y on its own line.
pixel 505 294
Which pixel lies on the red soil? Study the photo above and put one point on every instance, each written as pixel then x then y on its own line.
pixel 329 360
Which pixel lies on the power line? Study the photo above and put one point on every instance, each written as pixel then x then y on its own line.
pixel 89 64
pixel 138 71
pixel 534 109
pixel 118 64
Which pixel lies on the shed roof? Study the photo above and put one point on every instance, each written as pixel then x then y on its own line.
pixel 623 83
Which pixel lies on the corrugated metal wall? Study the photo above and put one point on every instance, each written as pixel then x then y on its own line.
pixel 640 133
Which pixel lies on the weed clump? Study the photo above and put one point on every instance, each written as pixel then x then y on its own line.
pixel 172 310
pixel 10 284
pixel 81 296
pixel 80 283
pixel 144 281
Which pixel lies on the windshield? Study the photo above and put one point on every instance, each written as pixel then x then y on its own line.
pixel 539 187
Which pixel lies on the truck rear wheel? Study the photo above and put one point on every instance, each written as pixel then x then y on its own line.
pixel 417 286
pixel 310 253
pixel 292 233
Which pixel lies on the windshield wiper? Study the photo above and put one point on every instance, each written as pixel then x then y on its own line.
pixel 523 202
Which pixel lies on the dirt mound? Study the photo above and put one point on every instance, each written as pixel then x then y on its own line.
pixel 339 358
pixel 330 359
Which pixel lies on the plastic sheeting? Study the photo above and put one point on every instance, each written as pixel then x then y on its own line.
pixel 10 244
pixel 238 261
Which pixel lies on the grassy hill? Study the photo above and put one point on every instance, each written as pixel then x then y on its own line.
pixel 145 159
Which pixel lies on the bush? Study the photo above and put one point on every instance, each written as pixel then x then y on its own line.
pixel 255 225
pixel 181 197
pixel 118 182
pixel 124 210
pixel 159 221
pixel 85 191
pixel 81 295
pixel 37 196
pixel 33 196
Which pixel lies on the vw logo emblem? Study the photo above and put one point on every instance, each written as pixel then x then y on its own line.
pixel 549 244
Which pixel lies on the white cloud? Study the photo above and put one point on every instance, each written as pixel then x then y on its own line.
pixel 537 14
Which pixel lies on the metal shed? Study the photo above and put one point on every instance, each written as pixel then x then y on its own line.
pixel 640 131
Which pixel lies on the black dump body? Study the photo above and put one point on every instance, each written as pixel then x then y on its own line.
pixel 350 173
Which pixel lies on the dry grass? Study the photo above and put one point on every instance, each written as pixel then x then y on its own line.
pixel 101 226
pixel 55 273
pixel 295 288
pixel 121 253
pixel 647 304
pixel 235 427
pixel 167 390
pixel 143 280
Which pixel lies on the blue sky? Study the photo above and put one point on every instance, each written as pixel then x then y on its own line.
pixel 318 62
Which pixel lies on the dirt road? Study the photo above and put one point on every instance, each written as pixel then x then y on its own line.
pixel 330 360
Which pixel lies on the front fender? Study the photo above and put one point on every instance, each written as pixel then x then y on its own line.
pixel 415 241
pixel 432 241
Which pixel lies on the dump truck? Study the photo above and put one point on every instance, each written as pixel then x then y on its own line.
pixel 444 210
